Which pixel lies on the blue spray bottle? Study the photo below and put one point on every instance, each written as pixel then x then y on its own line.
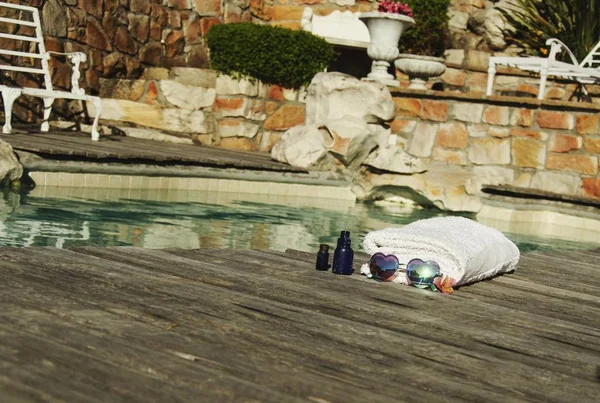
pixel 343 255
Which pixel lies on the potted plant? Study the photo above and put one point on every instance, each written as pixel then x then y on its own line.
pixel 386 26
pixel 424 44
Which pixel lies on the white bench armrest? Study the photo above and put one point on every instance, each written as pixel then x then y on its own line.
pixel 557 46
pixel 76 58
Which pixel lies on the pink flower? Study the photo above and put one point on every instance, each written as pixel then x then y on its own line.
pixel 444 284
pixel 395 7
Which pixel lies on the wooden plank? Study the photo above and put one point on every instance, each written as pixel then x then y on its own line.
pixel 126 149
pixel 246 260
pixel 267 326
pixel 49 144
pixel 209 347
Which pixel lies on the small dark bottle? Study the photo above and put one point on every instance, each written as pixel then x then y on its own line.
pixel 323 258
pixel 343 255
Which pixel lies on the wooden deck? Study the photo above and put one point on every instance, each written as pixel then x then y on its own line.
pixel 126 324
pixel 73 145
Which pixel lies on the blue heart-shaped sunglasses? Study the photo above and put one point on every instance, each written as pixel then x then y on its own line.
pixel 419 273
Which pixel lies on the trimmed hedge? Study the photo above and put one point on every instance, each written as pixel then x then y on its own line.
pixel 273 55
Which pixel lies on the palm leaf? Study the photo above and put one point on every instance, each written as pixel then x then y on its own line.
pixel 574 22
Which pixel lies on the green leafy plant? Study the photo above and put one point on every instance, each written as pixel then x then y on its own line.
pixel 273 55
pixel 428 35
pixel 574 22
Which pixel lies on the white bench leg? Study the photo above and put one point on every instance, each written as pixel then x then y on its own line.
pixel 9 95
pixel 98 105
pixel 491 74
pixel 47 109
pixel 543 78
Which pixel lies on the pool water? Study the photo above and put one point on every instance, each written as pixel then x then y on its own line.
pixel 204 220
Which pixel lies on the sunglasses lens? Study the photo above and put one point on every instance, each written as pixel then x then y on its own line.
pixel 383 266
pixel 434 264
pixel 421 274
pixel 412 264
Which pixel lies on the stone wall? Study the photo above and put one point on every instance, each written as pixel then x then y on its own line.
pixel 466 73
pixel 469 141
pixel 474 24
pixel 478 25
pixel 287 13
pixel 465 140
pixel 189 105
pixel 121 37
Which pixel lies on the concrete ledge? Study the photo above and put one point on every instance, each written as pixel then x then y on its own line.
pixel 543 220
pixel 158 183
pixel 113 169
pixel 496 99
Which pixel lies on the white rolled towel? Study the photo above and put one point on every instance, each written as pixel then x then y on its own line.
pixel 465 250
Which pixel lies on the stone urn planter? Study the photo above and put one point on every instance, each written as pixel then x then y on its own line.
pixel 385 30
pixel 419 69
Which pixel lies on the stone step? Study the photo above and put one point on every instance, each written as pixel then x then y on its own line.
pixel 131 131
pixel 177 100
pixel 202 105
pixel 185 75
pixel 169 119
pixel 183 87
pixel 163 93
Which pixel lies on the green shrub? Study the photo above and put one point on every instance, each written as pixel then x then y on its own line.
pixel 273 55
pixel 428 35
pixel 575 22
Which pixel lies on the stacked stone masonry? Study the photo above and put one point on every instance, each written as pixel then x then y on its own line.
pixel 546 145
pixel 122 37
pixel 469 76
pixel 202 106
pixel 551 146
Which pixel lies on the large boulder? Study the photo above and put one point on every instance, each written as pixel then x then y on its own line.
pixel 349 140
pixel 343 117
pixel 10 168
pixel 301 146
pixel 332 96
pixel 442 186
pixel 490 24
pixel 391 158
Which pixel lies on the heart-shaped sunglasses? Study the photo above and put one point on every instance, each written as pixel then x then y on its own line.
pixel 419 273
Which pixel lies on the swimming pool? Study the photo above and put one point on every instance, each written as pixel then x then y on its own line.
pixel 63 217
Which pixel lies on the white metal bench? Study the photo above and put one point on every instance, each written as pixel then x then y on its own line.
pixel 30 17
pixel 338 28
pixel 586 72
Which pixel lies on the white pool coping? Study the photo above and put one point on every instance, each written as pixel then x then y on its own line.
pixel 63 184
pixel 544 223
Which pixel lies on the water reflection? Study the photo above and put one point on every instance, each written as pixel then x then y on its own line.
pixel 201 220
